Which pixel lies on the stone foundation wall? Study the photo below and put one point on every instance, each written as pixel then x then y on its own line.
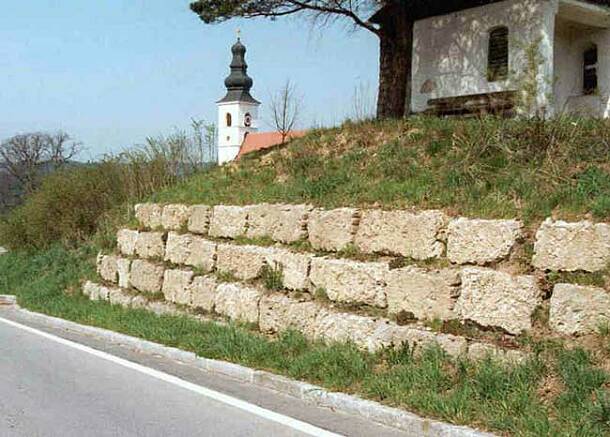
pixel 413 268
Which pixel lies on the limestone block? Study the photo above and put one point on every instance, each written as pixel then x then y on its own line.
pixel 414 235
pixel 177 286
pixel 579 310
pixel 116 296
pixel 175 217
pixel 163 308
pixel 572 246
pixel 91 289
pixel 107 268
pixel 228 221
pixel 123 269
pixel 190 250
pixel 481 241
pixel 238 302
pixel 279 313
pixel 139 302
pixel 146 276
pixel 243 262
pixel 149 214
pixel 419 339
pixel 350 281
pixel 480 351
pixel 332 230
pixel 126 241
pixel 283 223
pixel 199 221
pixel 150 245
pixel 203 292
pixel 427 294
pixel 498 299
pixel 294 267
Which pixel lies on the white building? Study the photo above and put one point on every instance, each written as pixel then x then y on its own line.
pixel 475 58
pixel 237 110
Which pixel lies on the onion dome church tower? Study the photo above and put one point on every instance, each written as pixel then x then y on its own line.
pixel 237 110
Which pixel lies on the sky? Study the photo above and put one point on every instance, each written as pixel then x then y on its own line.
pixel 113 72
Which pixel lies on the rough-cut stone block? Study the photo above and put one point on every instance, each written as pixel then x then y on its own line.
pixel 425 294
pixel 284 223
pixel 498 299
pixel 350 281
pixel 572 246
pixel 414 235
pixel 203 292
pixel 228 221
pixel 294 267
pixel 150 245
pixel 175 217
pixel 91 289
pixel 149 214
pixel 199 221
pixel 419 339
pixel 332 230
pixel 279 313
pixel 243 262
pixel 162 308
pixel 480 351
pixel 481 241
pixel 190 250
pixel 123 268
pixel 107 268
pixel 177 286
pixel 579 310
pixel 116 296
pixel 126 241
pixel 146 276
pixel 238 302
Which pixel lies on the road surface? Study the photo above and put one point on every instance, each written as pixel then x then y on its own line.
pixel 48 388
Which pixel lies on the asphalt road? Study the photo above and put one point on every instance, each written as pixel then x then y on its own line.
pixel 52 389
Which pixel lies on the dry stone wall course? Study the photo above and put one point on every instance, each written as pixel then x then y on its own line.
pixel 332 230
pixel 190 250
pixel 350 281
pixel 150 245
pixel 228 221
pixel 175 217
pixel 481 241
pixel 126 241
pixel 238 302
pixel 177 286
pixel 413 235
pixel 146 276
pixel 149 215
pixel 578 309
pixel 203 292
pixel 498 299
pixel 199 220
pixel 424 293
pixel 572 246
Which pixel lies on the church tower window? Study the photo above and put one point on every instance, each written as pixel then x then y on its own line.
pixel 229 119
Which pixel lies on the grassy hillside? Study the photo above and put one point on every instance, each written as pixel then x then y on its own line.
pixel 489 168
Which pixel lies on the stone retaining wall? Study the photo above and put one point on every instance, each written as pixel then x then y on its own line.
pixel 184 253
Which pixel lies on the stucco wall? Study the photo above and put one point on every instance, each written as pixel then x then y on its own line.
pixel 450 51
pixel 231 137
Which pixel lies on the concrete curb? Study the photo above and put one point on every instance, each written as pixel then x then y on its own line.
pixel 309 393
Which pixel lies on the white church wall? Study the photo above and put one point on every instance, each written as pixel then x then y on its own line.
pixel 450 51
pixel 231 137
pixel 572 40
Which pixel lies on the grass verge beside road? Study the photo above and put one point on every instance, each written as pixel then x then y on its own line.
pixel 557 392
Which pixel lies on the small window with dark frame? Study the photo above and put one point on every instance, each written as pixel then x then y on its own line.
pixel 497 54
pixel 229 119
pixel 589 80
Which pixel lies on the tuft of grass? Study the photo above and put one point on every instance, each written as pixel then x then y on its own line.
pixel 486 394
pixel 273 277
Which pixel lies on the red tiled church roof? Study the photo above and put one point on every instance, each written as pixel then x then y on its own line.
pixel 264 140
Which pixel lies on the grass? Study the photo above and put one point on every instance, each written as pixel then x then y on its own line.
pixel 486 167
pixel 559 392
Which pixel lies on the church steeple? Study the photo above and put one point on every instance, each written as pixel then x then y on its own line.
pixel 238 83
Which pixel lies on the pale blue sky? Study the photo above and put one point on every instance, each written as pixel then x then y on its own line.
pixel 113 72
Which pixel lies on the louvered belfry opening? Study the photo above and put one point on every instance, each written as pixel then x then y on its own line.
pixel 497 56
pixel 590 71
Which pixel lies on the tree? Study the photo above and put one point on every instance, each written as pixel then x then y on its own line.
pixel 285 109
pixel 25 154
pixel 393 27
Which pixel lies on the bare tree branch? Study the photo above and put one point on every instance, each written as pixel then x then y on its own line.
pixel 285 108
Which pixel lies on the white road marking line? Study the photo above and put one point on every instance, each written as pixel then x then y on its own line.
pixel 212 394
